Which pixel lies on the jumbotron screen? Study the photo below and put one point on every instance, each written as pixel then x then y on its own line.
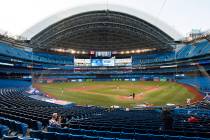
pixel 103 62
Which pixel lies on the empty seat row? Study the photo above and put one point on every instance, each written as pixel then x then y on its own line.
pixel 65 136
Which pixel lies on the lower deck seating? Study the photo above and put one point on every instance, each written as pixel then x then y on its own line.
pixel 4 130
pixel 121 124
pixel 201 83
pixel 19 112
pixel 8 83
pixel 103 136
pixel 14 126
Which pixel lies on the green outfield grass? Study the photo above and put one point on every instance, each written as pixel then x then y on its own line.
pixel 117 93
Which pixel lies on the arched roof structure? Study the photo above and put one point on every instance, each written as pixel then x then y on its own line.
pixel 98 27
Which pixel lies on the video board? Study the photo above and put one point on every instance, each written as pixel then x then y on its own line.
pixel 103 62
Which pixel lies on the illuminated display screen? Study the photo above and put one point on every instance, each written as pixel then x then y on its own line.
pixel 103 62
pixel 96 62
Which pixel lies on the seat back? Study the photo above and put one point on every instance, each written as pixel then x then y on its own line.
pixel 62 136
pixel 10 137
pixel 49 135
pixel 36 134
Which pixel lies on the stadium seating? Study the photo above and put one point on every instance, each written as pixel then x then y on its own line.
pixel 121 124
pixel 99 124
pixel 11 51
pixel 201 83
pixel 17 108
pixel 7 83
pixel 186 51
pixel 15 126
pixel 4 130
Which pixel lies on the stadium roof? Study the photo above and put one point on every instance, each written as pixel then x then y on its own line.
pixel 96 27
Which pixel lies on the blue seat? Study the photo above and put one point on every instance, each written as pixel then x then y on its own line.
pixel 49 135
pixel 10 137
pixel 11 124
pixel 64 130
pixel 101 133
pixel 22 128
pixel 25 138
pixel 74 126
pixel 172 137
pixel 38 125
pixel 202 138
pixel 53 129
pixel 4 130
pixel 84 127
pixel 91 138
pixel 128 130
pixel 103 128
pixel 76 131
pixel 36 134
pixel 114 134
pixel 156 137
pixel 141 137
pixel 187 138
pixel 127 135
pixel 102 138
pixel 140 131
pixel 89 132
pixel 116 129
pixel 62 136
pixel 76 137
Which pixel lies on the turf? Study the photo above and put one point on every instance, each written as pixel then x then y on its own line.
pixel 118 93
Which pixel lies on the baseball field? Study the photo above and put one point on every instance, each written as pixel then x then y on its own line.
pixel 121 93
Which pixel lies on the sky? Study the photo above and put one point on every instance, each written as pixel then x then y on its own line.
pixel 16 16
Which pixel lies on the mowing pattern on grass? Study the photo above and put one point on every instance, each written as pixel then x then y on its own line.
pixel 118 93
